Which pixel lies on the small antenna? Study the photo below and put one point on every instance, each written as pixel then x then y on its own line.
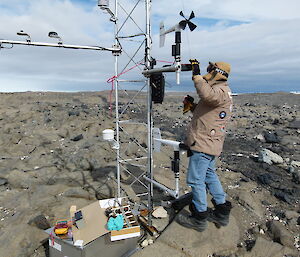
pixel 54 34
pixel 22 33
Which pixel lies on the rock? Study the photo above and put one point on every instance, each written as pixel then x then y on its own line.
pixel 160 212
pixel 77 192
pixel 291 169
pixel 265 178
pixel 264 202
pixel 280 234
pixel 40 222
pixel 265 248
pixel 245 179
pixel 189 242
pixel 3 181
pixel 145 243
pixel 269 157
pixel 294 124
pixel 283 196
pixel 295 164
pixel 291 215
pixel 77 138
pixel 260 137
pixel 271 137
pixel 296 177
pixel 73 113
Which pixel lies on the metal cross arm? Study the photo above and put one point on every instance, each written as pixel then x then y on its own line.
pixel 178 67
pixel 114 49
pixel 171 68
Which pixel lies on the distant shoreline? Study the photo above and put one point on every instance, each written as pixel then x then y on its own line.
pixel 176 92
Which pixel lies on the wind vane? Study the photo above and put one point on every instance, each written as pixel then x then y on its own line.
pixel 176 49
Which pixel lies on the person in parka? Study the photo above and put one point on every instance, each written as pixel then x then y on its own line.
pixel 205 138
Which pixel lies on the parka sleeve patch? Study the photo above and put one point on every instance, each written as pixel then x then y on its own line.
pixel 222 114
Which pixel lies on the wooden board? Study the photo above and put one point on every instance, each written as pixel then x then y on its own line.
pixel 94 224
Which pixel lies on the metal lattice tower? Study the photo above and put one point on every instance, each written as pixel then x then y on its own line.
pixel 134 109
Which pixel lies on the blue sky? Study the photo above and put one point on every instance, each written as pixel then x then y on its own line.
pixel 261 43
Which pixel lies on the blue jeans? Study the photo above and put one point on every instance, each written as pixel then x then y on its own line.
pixel 201 174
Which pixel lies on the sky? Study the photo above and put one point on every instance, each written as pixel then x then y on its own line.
pixel 259 38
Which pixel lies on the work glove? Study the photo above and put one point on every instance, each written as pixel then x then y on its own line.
pixel 195 67
pixel 184 147
pixel 188 104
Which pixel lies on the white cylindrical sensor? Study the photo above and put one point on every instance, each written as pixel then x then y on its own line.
pixel 108 134
pixel 103 3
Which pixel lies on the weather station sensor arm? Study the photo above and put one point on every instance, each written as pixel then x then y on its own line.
pixel 97 48
pixel 60 44
pixel 171 68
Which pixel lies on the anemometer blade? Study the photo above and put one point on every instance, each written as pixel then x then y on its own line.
pixel 181 14
pixel 192 15
pixel 192 26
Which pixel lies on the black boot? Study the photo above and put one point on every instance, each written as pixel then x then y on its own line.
pixel 197 220
pixel 220 215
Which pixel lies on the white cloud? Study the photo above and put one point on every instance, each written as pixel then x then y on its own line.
pixel 245 10
pixel 265 49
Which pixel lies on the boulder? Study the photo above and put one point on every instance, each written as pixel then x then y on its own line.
pixel 265 248
pixel 296 177
pixel 3 181
pixel 269 157
pixel 40 221
pixel 280 234
pixel 271 137
pixel 283 196
pixel 295 164
pixel 177 240
pixel 291 215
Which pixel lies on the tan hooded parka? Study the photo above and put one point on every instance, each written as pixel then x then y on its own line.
pixel 206 132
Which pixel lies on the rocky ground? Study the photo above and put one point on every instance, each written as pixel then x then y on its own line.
pixel 52 156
